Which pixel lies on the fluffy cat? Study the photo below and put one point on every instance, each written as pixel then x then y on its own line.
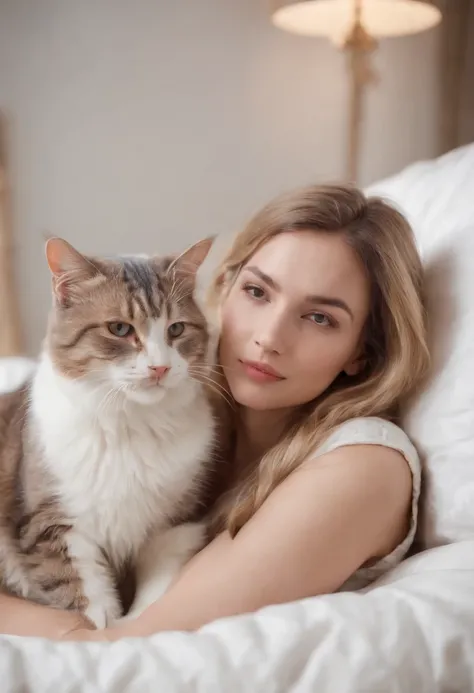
pixel 101 453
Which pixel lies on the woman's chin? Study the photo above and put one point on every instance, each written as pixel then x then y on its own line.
pixel 255 397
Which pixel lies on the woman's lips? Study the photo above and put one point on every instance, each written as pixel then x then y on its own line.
pixel 261 372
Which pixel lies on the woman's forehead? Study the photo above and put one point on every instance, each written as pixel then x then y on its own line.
pixel 310 262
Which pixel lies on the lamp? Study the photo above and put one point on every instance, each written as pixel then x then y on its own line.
pixel 354 25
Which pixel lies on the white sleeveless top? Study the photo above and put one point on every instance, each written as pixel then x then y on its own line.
pixel 375 431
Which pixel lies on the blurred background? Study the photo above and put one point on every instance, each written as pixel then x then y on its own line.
pixel 143 125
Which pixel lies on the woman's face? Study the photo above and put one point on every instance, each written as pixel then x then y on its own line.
pixel 293 320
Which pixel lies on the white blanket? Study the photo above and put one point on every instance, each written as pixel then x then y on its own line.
pixel 413 632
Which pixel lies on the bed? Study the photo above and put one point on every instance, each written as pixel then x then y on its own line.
pixel 413 630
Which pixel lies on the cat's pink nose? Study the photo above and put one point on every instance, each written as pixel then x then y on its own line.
pixel 158 372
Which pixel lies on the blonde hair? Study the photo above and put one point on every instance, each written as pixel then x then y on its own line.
pixel 396 356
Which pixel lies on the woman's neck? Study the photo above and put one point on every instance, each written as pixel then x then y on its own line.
pixel 257 432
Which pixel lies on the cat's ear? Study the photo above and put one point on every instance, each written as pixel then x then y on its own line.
pixel 191 260
pixel 68 268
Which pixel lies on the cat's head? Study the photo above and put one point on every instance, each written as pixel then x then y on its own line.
pixel 129 324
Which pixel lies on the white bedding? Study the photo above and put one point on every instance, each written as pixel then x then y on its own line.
pixel 411 633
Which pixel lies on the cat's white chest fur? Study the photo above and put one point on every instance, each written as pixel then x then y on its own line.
pixel 120 468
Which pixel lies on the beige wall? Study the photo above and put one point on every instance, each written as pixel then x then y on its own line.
pixel 145 124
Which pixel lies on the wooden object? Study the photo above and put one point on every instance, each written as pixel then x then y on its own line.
pixel 10 343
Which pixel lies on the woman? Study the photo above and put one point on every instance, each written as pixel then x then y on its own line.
pixel 323 335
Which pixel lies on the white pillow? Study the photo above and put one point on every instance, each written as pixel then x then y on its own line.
pixel 438 199
pixel 14 371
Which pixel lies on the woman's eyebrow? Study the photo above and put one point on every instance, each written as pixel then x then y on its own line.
pixel 316 299
pixel 330 301
pixel 264 277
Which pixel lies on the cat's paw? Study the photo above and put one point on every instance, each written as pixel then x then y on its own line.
pixel 97 615
pixel 103 616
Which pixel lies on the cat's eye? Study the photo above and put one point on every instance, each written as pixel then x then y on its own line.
pixel 176 329
pixel 120 329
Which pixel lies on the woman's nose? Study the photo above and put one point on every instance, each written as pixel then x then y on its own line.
pixel 270 337
pixel 265 345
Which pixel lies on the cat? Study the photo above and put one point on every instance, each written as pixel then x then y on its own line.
pixel 103 451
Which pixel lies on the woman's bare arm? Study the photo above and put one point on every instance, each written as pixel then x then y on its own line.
pixel 19 617
pixel 312 533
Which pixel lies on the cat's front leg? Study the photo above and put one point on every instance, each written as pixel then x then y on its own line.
pixel 12 574
pixel 161 559
pixel 101 600
pixel 66 569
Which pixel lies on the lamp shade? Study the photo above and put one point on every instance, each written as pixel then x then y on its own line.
pixel 335 18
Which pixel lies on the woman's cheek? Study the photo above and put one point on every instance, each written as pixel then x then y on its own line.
pixel 236 319
pixel 325 358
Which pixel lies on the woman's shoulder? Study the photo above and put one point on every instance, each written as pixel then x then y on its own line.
pixel 371 430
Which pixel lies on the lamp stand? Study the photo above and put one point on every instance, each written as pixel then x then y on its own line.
pixel 358 46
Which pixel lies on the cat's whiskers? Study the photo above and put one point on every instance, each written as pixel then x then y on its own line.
pixel 110 397
pixel 203 378
pixel 219 389
pixel 103 402
pixel 213 368
pixel 177 285
pixel 182 297
pixel 207 371
pixel 178 297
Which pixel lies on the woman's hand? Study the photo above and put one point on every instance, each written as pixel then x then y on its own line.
pixel 80 633
pixel 27 619
pixel 20 617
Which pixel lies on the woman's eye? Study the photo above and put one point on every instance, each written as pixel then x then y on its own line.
pixel 321 319
pixel 120 329
pixel 254 291
pixel 176 329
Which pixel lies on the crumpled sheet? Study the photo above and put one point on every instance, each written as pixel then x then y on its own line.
pixel 412 632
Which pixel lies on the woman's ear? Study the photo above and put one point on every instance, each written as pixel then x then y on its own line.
pixel 355 366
